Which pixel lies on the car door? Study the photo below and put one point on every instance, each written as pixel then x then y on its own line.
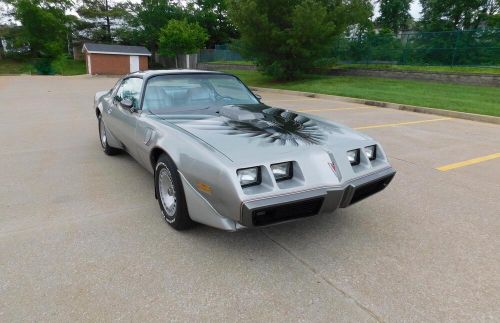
pixel 122 120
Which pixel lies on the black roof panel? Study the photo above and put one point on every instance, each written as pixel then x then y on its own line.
pixel 116 49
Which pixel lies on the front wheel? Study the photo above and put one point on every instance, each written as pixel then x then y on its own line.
pixel 170 194
pixel 103 138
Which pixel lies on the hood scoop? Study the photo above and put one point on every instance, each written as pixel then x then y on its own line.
pixel 236 113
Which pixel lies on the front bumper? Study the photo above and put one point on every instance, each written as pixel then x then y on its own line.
pixel 290 207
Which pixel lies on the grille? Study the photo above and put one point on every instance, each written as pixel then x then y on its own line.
pixel 366 190
pixel 286 212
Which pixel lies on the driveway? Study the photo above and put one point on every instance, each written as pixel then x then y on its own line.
pixel 82 238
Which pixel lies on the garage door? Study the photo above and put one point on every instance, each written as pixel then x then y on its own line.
pixel 134 64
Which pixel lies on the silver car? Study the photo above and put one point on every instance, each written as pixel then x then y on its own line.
pixel 223 158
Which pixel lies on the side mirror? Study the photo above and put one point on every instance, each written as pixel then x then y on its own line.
pixel 127 104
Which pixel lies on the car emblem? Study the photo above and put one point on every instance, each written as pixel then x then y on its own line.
pixel 333 167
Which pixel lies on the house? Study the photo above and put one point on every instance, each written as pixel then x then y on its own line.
pixel 115 59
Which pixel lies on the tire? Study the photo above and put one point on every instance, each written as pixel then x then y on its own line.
pixel 170 194
pixel 108 150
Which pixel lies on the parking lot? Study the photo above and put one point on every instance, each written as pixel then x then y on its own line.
pixel 82 237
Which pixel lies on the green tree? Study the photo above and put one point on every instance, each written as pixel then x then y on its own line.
pixel 394 15
pixel 146 21
pixel 12 41
pixel 3 32
pixel 287 38
pixel 493 21
pixel 212 15
pixel 43 25
pixel 181 37
pixel 440 15
pixel 98 17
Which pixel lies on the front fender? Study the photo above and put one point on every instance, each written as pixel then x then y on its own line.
pixel 201 166
pixel 99 95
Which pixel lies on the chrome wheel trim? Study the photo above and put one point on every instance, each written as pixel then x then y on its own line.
pixel 167 192
pixel 102 133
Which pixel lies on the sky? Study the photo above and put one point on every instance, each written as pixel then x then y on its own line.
pixel 415 9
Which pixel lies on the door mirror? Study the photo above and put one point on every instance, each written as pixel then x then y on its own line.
pixel 127 104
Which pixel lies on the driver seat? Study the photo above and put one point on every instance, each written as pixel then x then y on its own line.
pixel 200 94
pixel 156 98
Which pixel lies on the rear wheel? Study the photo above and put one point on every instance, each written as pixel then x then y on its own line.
pixel 103 138
pixel 170 194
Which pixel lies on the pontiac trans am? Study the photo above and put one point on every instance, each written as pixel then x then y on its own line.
pixel 223 158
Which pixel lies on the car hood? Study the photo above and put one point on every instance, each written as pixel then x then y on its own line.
pixel 254 132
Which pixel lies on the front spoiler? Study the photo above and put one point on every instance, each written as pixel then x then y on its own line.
pixel 290 207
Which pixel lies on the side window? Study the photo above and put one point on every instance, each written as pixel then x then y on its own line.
pixel 130 89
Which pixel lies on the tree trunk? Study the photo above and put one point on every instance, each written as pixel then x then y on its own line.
pixel 153 55
pixel 108 24
pixel 176 64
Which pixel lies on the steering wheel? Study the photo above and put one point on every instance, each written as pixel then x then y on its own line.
pixel 219 97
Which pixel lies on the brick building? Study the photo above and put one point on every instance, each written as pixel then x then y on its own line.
pixel 115 59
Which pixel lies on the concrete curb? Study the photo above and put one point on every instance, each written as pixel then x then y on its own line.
pixel 396 106
pixel 477 79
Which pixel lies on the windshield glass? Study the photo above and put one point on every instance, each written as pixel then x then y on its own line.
pixel 177 93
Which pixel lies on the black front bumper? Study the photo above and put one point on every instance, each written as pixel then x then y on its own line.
pixel 305 204
pixel 363 188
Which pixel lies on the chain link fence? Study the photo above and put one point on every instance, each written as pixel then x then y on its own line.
pixel 451 48
pixel 221 53
pixel 454 48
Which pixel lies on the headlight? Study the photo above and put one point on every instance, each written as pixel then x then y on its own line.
pixel 353 157
pixel 249 176
pixel 282 171
pixel 371 152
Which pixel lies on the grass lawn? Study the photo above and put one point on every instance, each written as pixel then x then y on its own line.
pixel 71 67
pixel 464 98
pixel 8 66
pixel 442 69
pixel 66 67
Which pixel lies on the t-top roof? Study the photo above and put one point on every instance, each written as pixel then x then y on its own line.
pixel 152 73
pixel 115 49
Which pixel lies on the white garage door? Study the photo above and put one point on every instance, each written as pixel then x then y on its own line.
pixel 134 64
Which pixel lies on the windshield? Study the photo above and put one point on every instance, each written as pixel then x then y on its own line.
pixel 178 93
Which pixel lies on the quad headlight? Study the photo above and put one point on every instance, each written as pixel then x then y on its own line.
pixel 249 176
pixel 353 157
pixel 282 171
pixel 371 152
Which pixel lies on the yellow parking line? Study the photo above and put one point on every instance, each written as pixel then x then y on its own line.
pixel 335 109
pixel 400 123
pixel 468 162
